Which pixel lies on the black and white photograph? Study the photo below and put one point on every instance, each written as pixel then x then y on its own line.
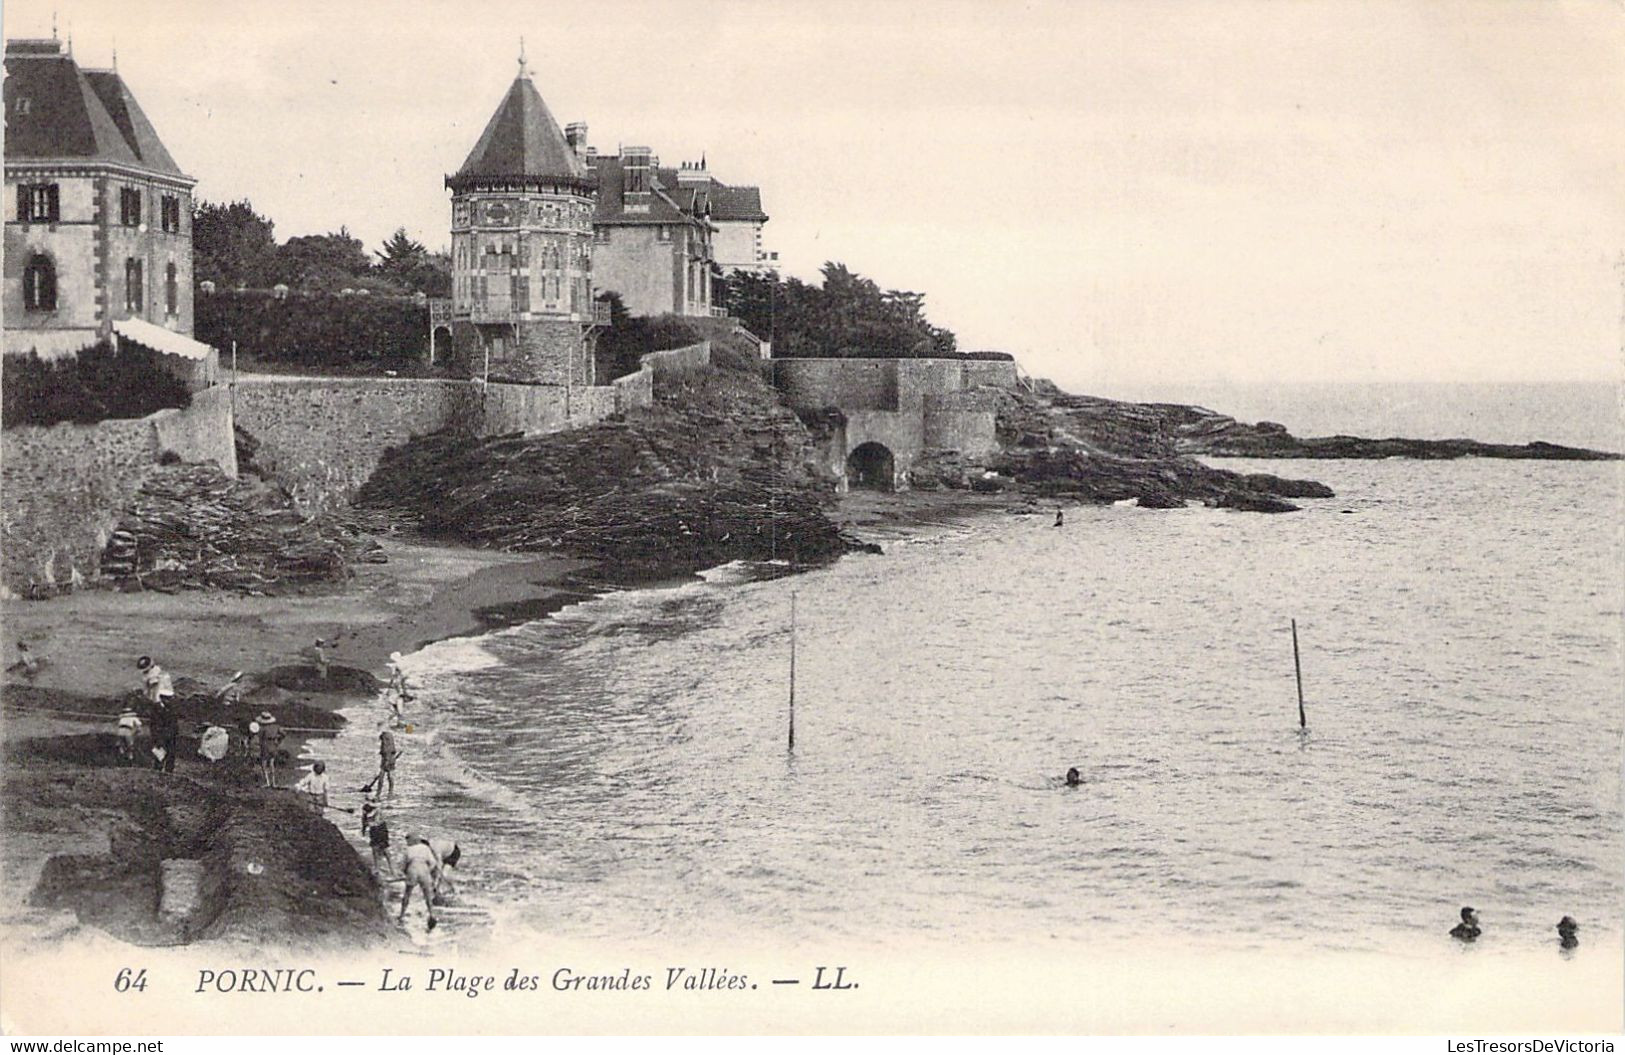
pixel 909 517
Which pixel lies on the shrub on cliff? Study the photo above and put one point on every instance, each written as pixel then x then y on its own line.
pixel 849 316
pixel 628 338
pixel 320 331
pixel 98 383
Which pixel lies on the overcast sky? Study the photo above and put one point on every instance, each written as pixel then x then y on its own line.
pixel 1112 191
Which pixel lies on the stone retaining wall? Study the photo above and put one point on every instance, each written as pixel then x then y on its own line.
pixel 63 487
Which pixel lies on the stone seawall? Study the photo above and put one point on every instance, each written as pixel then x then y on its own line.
pixel 322 437
pixel 65 486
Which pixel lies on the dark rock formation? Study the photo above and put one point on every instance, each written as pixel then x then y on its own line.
pixel 1196 430
pixel 717 470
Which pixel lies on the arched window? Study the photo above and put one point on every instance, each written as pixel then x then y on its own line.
pixel 172 291
pixel 39 284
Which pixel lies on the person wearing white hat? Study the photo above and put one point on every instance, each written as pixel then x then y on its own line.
pixel 397 677
pixel 129 725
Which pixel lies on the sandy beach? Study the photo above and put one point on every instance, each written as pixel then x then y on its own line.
pixel 84 838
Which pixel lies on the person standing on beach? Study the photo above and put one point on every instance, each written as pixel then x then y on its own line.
pixel 397 678
pixel 376 829
pixel 166 735
pixel 422 870
pixel 387 754
pixel 270 745
pixel 313 786
pixel 155 680
pixel 318 653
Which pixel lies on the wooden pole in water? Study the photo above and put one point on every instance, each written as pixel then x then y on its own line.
pixel 792 670
pixel 1297 667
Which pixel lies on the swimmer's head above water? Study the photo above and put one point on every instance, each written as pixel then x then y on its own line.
pixel 1073 777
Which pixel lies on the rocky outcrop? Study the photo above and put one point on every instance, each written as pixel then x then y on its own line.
pixel 194 527
pixel 1056 444
pixel 1197 430
pixel 717 470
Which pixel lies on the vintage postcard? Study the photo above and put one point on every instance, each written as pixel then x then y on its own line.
pixel 784 517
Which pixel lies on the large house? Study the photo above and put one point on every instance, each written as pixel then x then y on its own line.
pixel 98 235
pixel 521 246
pixel 737 219
pixel 652 232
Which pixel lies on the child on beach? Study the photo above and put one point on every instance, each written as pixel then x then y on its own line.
pixel 376 829
pixel 313 786
pixel 129 726
pixel 387 754
pixel 397 678
pixel 318 655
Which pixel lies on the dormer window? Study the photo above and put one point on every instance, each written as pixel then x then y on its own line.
pixel 38 203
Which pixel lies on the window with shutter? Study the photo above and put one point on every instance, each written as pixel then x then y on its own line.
pixel 39 284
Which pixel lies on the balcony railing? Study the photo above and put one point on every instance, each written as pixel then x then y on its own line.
pixel 492 313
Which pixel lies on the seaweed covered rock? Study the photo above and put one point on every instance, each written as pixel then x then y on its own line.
pixel 718 469
pixel 194 527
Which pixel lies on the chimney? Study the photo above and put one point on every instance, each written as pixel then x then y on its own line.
pixel 575 133
pixel 693 173
pixel 637 162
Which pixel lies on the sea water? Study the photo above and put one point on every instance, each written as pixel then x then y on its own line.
pixel 621 768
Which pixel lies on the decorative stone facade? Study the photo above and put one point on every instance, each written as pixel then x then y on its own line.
pixel 521 244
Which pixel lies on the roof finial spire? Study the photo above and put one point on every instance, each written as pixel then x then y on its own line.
pixel 523 70
pixel 115 54
pixel 53 24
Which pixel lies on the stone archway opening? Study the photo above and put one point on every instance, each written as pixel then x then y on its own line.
pixel 871 465
pixel 440 344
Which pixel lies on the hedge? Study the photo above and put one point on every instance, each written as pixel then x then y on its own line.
pixel 314 329
pixel 98 383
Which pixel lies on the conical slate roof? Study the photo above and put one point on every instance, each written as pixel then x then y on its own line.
pixel 522 140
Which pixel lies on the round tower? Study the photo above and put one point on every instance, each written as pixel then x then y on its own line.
pixel 521 247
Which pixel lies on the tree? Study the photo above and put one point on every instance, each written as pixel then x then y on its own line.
pixel 232 245
pixel 323 262
pixel 408 264
pixel 848 315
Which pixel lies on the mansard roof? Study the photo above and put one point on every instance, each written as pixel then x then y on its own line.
pixel 521 141
pixel 57 112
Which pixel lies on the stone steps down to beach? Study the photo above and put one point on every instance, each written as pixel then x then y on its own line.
pixel 717 470
pixel 192 527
